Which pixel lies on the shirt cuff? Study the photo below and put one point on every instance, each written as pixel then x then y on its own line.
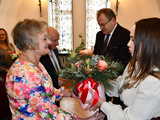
pixel 105 107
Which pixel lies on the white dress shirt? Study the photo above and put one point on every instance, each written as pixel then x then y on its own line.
pixel 54 61
pixel 110 35
pixel 143 100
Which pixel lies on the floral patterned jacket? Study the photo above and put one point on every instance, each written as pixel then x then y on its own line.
pixel 30 91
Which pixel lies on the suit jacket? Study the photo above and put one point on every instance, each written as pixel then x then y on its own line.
pixel 117 48
pixel 47 63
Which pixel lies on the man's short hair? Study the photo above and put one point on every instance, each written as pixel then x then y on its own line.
pixel 107 12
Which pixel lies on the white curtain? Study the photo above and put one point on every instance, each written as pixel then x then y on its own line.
pixel 91 21
pixel 60 17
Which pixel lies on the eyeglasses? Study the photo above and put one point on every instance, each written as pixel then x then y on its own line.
pixel 102 25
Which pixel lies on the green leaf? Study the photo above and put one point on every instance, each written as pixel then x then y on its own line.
pixel 88 68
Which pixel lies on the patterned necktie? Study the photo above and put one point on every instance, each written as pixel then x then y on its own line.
pixel 106 41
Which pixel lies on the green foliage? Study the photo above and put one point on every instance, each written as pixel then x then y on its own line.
pixel 80 67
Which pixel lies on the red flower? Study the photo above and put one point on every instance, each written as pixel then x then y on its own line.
pixel 77 64
pixel 102 65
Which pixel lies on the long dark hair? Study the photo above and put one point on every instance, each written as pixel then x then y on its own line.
pixel 147 48
pixel 7 43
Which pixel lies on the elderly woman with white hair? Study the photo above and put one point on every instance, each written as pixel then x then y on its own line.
pixel 30 91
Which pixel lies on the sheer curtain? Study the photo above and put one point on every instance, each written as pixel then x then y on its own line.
pixel 60 17
pixel 91 21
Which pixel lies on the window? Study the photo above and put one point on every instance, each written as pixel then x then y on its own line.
pixel 91 21
pixel 60 17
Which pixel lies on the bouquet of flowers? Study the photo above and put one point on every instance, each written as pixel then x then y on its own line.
pixel 87 73
pixel 13 55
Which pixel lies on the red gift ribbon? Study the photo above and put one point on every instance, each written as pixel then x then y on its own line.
pixel 84 87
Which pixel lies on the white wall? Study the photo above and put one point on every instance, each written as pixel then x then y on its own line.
pixel 132 10
pixel 129 12
pixel 13 11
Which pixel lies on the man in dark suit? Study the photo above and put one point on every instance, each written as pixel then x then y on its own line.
pixel 51 61
pixel 112 40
